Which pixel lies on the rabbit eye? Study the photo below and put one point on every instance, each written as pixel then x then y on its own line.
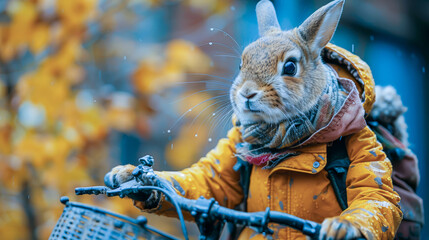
pixel 289 68
pixel 239 66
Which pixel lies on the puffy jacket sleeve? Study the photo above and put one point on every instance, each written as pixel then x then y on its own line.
pixel 212 176
pixel 373 204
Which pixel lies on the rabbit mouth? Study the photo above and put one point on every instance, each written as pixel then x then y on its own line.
pixel 248 107
pixel 252 111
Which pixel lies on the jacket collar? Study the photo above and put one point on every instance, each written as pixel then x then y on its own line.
pixel 350 118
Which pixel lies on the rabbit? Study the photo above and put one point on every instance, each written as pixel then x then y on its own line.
pixel 282 75
pixel 283 95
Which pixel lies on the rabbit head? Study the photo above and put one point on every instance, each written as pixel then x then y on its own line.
pixel 281 73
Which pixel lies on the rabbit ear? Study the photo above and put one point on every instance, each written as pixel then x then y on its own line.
pixel 267 18
pixel 319 28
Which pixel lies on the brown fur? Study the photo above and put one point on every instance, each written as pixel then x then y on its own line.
pixel 282 97
pixel 119 175
pixel 127 169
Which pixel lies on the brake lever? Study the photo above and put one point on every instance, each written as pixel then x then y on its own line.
pixel 125 189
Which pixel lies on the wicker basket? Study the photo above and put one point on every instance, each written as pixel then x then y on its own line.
pixel 81 221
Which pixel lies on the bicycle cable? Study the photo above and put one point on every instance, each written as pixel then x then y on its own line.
pixel 175 204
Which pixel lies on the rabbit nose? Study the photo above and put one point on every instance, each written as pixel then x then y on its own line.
pixel 248 95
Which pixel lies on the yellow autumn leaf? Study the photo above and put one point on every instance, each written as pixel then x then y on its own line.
pixel 92 124
pixel 2 89
pixel 145 75
pixel 75 13
pixel 23 14
pixel 186 55
pixel 12 220
pixel 28 149
pixel 4 31
pixel 34 87
pixel 8 51
pixel 8 48
pixel 5 132
pixel 40 38
pixel 57 149
pixel 57 65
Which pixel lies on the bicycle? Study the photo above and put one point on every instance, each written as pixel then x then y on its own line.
pixel 209 216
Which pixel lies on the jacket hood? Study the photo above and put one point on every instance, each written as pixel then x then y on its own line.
pixel 350 66
pixel 355 76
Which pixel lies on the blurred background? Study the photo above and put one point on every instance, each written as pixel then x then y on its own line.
pixel 89 84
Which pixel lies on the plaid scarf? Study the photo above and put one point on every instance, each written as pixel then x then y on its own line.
pixel 270 143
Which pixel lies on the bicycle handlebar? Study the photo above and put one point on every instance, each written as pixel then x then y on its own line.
pixel 204 210
pixel 210 208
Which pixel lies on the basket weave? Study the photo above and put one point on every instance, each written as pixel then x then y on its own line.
pixel 80 221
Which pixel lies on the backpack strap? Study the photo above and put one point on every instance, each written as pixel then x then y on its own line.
pixel 245 170
pixel 337 167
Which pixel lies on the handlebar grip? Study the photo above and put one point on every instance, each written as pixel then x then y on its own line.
pixel 130 187
pixel 316 231
pixel 91 190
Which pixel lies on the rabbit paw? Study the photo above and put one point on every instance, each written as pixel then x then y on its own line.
pixel 337 228
pixel 119 175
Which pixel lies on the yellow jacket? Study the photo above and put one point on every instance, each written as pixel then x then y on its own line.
pixel 297 185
